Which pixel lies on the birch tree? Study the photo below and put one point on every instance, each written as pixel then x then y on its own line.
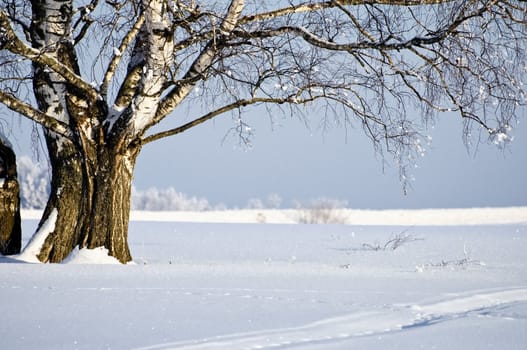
pixel 98 75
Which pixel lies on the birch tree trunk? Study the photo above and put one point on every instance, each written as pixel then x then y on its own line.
pixel 91 198
pixel 91 170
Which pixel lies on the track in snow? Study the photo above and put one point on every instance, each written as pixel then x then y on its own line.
pixel 365 323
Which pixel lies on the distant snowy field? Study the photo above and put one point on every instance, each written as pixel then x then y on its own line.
pixel 252 280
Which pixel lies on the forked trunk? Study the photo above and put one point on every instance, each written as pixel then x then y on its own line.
pixel 93 158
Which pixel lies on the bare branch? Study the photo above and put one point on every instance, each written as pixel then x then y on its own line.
pixel 227 108
pixel 125 43
pixel 85 19
pixel 200 65
pixel 305 8
pixel 309 7
pixel 9 41
pixel 384 45
pixel 29 112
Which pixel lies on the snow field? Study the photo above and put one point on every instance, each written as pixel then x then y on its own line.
pixel 281 286
pixel 363 324
pixel 423 217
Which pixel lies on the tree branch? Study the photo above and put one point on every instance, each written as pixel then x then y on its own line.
pixel 86 19
pixel 349 47
pixel 125 43
pixel 29 112
pixel 302 8
pixel 232 106
pixel 9 41
pixel 332 4
pixel 200 65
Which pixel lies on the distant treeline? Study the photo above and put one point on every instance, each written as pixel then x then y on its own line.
pixel 34 181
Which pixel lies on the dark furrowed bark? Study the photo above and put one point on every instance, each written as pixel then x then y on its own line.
pixel 67 197
pixel 10 231
pixel 110 211
pixel 91 195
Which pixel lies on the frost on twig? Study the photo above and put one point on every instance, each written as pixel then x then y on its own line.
pixel 462 263
pixel 393 243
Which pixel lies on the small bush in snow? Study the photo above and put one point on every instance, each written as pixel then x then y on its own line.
pixel 322 211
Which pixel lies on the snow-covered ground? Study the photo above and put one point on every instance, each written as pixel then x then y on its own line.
pixel 456 280
pixel 428 217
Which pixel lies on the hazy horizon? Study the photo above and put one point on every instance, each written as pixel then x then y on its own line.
pixel 300 163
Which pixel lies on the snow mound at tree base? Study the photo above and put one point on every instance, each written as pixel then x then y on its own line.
pixel 91 256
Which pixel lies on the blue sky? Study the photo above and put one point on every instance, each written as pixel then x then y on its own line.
pixel 301 164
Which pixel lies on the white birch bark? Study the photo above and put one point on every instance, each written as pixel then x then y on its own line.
pixel 158 45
